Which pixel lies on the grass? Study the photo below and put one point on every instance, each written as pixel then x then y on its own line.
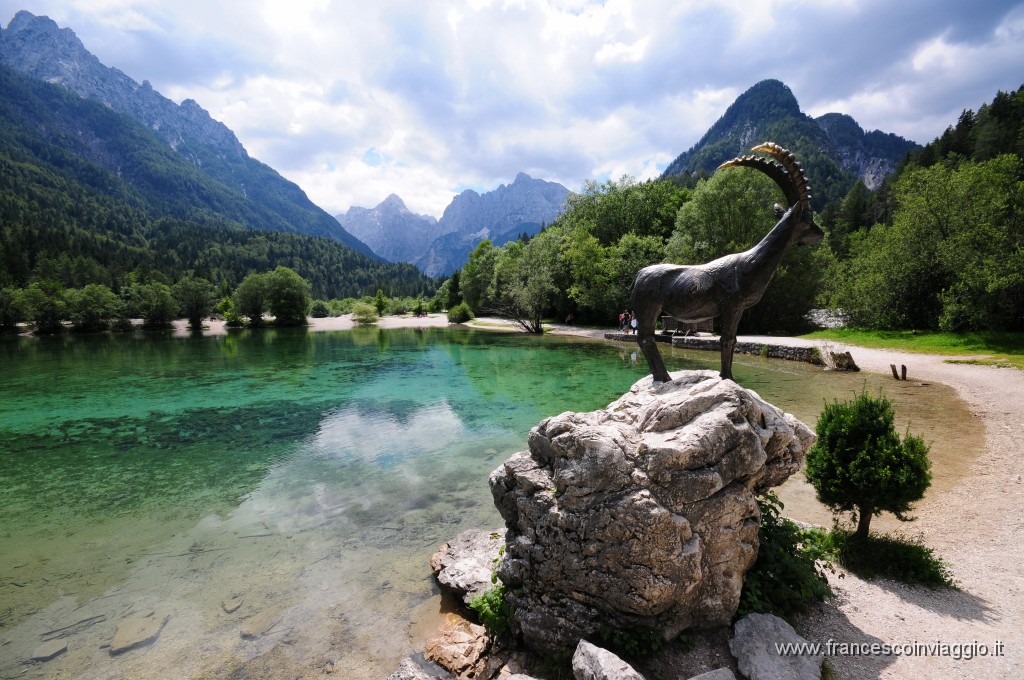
pixel 988 348
pixel 891 556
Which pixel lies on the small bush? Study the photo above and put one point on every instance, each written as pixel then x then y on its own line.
pixel 494 610
pixel 891 556
pixel 860 464
pixel 364 313
pixel 460 313
pixel 786 578
pixel 319 310
pixel 633 643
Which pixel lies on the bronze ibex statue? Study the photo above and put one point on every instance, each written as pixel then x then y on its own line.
pixel 725 287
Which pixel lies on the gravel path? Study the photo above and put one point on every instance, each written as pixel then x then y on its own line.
pixel 976 527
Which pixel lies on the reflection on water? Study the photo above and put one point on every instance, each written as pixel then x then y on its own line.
pixel 278 493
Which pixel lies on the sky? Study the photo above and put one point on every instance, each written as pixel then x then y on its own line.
pixel 354 101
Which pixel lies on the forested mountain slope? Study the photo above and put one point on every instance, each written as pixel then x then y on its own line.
pixel 88 195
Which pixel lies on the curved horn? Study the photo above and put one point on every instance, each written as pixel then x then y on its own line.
pixel 770 168
pixel 789 161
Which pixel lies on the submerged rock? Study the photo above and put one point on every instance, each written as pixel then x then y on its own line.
pixel 641 515
pixel 461 648
pixel 49 650
pixel 260 623
pixel 231 604
pixel 137 631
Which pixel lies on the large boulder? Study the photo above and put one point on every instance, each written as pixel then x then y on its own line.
pixel 641 515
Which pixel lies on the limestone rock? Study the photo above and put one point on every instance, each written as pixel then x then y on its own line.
pixel 754 646
pixel 49 650
pixel 717 674
pixel 137 631
pixel 590 662
pixel 460 648
pixel 641 515
pixel 416 667
pixel 465 565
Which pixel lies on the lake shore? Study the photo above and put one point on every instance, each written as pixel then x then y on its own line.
pixel 975 526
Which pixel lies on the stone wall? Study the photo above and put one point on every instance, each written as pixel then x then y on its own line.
pixel 809 355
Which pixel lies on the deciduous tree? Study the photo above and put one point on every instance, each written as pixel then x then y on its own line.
pixel 195 298
pixel 91 308
pixel 288 297
pixel 250 298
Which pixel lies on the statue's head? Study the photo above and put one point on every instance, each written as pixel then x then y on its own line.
pixel 788 174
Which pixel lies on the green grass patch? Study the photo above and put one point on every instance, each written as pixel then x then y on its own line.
pixel 891 556
pixel 989 348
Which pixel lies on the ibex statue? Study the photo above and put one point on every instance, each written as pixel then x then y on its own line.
pixel 725 287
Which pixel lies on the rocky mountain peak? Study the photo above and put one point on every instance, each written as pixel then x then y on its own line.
pixel 835 149
pixel 36 47
pixel 392 203
pixel 391 229
pixel 246 191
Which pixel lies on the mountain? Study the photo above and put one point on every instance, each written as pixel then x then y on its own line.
pixel 234 185
pixel 391 230
pixel 90 195
pixel 501 215
pixel 833 149
pixel 440 247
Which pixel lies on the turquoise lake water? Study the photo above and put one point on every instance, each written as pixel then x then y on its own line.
pixel 304 478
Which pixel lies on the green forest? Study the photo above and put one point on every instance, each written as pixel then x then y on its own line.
pixel 88 196
pixel 939 246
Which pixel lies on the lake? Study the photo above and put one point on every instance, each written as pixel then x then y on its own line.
pixel 293 485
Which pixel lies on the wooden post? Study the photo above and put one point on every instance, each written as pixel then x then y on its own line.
pixel 903 372
pixel 895 375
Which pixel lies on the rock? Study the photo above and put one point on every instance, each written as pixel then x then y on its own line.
pixel 137 631
pixel 717 674
pixel 460 648
pixel 260 624
pixel 641 515
pixel 466 564
pixel 841 361
pixel 754 645
pixel 416 667
pixel 49 650
pixel 231 605
pixel 590 662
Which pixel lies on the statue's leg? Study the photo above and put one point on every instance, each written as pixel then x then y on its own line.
pixel 646 318
pixel 728 343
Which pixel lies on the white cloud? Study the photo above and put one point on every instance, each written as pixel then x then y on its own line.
pixel 469 92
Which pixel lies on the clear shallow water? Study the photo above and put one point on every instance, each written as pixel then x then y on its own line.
pixel 308 476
